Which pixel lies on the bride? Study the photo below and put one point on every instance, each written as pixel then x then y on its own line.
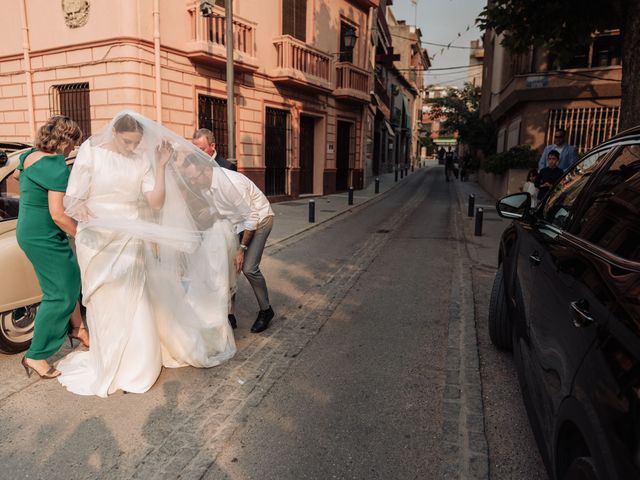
pixel 156 284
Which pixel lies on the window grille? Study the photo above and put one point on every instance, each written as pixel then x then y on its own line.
pixel 212 114
pixel 72 100
pixel 586 127
pixel 276 138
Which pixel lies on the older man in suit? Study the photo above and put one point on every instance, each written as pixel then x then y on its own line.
pixel 205 141
pixel 568 154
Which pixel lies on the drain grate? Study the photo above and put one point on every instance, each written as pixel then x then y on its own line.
pixel 382 230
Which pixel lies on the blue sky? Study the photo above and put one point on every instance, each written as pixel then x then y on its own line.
pixel 440 22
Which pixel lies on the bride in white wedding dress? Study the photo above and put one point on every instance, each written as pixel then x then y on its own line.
pixel 156 284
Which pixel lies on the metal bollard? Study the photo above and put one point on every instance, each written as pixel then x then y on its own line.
pixel 406 171
pixel 377 185
pixel 396 175
pixel 472 204
pixel 350 196
pixel 412 168
pixel 479 214
pixel 312 211
pixel 401 173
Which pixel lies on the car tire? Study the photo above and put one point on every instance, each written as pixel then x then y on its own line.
pixel 16 329
pixel 499 323
pixel 582 468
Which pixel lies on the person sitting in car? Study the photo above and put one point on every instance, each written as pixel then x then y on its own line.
pixel 549 175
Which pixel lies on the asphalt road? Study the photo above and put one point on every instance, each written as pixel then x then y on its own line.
pixel 348 382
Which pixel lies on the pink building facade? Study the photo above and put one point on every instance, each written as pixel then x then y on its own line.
pixel 303 118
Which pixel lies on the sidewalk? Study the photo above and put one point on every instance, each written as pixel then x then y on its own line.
pixel 483 250
pixel 292 218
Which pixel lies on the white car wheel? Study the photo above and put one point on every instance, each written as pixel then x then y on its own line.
pixel 16 329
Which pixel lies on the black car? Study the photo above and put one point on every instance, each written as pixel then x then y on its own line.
pixel 566 299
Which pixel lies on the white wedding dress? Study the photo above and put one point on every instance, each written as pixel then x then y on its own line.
pixel 149 303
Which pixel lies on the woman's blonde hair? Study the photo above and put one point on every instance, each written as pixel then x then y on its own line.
pixel 57 134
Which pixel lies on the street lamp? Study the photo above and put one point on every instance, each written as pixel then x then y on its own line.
pixel 349 39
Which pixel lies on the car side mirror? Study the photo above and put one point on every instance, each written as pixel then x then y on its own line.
pixel 515 206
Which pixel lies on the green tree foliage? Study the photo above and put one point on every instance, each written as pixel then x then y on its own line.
pixel 563 27
pixel 521 156
pixel 566 26
pixel 460 110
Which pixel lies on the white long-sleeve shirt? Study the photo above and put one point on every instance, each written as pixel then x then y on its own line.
pixel 238 199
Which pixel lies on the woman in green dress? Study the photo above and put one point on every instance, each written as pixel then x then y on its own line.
pixel 42 234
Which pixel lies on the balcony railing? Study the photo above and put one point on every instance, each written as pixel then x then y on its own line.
pixel 300 64
pixel 352 83
pixel 209 39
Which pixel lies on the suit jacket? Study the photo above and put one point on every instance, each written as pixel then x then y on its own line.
pixel 568 156
pixel 224 163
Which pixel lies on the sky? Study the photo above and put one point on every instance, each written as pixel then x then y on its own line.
pixel 440 21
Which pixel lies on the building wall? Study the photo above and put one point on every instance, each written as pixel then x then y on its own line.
pixel 528 106
pixel 114 54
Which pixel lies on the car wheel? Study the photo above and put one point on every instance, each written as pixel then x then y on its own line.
pixel 582 468
pixel 499 322
pixel 16 329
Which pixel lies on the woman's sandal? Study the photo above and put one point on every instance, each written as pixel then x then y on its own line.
pixel 51 373
pixel 74 334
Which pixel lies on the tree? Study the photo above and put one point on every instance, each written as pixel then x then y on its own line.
pixel 567 25
pixel 460 109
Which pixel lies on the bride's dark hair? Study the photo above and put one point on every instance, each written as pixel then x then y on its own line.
pixel 126 123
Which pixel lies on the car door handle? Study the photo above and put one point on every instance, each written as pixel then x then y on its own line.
pixel 534 259
pixel 580 313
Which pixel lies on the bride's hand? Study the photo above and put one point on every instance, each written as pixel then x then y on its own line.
pixel 163 153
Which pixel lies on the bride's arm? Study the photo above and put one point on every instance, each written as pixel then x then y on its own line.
pixel 155 198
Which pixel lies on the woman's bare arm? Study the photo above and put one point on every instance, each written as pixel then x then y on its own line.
pixel 61 219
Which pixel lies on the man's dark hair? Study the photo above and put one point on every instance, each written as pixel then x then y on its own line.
pixel 197 161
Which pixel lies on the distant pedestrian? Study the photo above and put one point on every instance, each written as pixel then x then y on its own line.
pixel 42 233
pixel 567 153
pixel 548 176
pixel 464 166
pixel 529 186
pixel 205 141
pixel 449 167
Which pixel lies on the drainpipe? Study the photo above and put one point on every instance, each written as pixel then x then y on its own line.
pixel 156 50
pixel 231 112
pixel 27 67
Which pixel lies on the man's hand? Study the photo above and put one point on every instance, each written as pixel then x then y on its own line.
pixel 239 260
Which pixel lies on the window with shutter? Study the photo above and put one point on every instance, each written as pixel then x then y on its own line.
pixel 294 18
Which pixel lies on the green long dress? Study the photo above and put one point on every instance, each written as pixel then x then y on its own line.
pixel 47 248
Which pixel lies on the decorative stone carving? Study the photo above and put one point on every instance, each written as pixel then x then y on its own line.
pixel 76 12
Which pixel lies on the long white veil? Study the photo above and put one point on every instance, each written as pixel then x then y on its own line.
pixel 184 250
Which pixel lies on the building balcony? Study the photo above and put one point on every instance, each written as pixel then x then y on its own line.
pixel 209 40
pixel 300 65
pixel 352 83
pixel 557 86
pixel 366 4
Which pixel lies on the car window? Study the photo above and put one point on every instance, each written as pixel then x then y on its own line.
pixel 9 193
pixel 557 207
pixel 611 218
